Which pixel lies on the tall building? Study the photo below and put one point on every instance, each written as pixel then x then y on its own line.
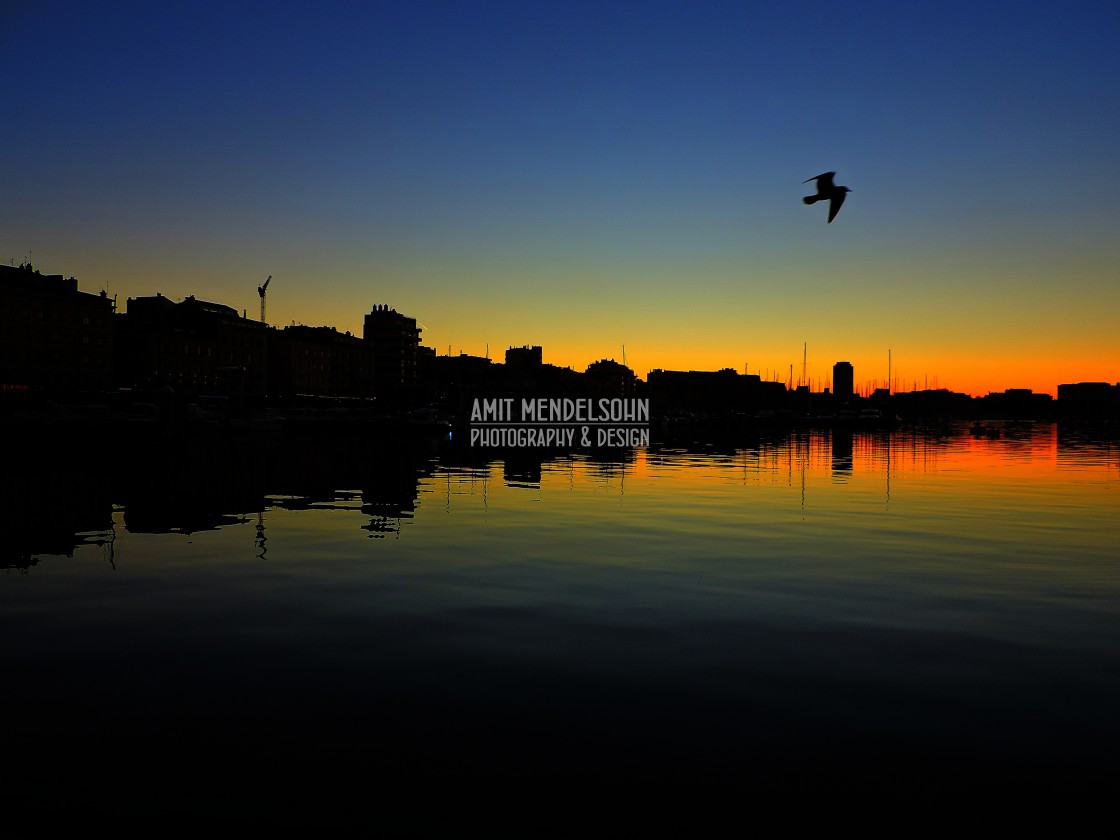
pixel 843 380
pixel 394 342
pixel 51 335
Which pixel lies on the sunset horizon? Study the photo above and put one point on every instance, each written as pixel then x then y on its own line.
pixel 951 368
pixel 586 178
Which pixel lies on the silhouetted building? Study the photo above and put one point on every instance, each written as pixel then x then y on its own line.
pixel 524 358
pixel 608 378
pixel 458 380
pixel 555 381
pixel 51 335
pixel 525 374
pixel 843 381
pixel 426 375
pixel 195 347
pixel 1089 400
pixel 394 340
pixel 939 403
pixel 801 400
pixel 318 361
pixel 713 392
pixel 1017 404
pixel 880 398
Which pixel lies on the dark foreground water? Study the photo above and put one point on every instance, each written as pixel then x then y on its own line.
pixel 403 635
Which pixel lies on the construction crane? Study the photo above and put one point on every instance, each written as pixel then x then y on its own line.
pixel 260 291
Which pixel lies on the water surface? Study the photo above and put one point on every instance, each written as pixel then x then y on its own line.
pixel 232 629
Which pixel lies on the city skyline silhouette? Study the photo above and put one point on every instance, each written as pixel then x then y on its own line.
pixel 94 346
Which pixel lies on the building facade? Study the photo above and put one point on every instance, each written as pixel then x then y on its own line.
pixel 843 381
pixel 194 347
pixel 318 361
pixel 53 337
pixel 394 341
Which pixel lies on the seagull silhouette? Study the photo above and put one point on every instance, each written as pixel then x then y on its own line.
pixel 827 191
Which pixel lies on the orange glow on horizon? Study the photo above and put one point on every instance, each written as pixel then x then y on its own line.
pixel 975 377
pixel 974 357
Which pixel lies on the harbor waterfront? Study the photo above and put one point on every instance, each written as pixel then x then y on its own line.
pixel 280 629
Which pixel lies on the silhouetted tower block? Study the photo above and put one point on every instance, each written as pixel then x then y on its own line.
pixel 394 341
pixel 843 381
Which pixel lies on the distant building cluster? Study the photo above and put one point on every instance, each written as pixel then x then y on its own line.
pixel 57 340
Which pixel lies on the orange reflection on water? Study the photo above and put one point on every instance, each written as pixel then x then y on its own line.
pixel 1026 451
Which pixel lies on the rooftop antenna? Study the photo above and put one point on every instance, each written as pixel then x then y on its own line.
pixel 261 291
pixel 624 355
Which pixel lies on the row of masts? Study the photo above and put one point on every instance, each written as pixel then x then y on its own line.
pixel 892 383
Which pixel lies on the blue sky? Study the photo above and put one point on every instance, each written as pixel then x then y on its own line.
pixel 584 176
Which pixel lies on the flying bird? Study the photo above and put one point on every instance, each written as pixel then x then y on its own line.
pixel 827 191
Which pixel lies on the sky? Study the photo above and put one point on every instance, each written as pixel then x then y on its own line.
pixel 596 178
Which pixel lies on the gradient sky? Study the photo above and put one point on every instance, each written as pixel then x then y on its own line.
pixel 591 175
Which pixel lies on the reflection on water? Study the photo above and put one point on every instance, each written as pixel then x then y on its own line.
pixel 913 611
pixel 59 499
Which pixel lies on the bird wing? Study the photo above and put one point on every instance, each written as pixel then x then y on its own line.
pixel 824 181
pixel 834 205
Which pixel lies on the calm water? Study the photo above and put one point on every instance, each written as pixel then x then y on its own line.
pixel 262 631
